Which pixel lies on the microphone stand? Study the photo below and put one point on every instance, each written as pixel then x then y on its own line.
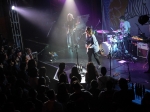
pixel 109 55
pixel 76 49
pixel 110 58
pixel 43 49
pixel 129 72
pixel 97 24
pixel 50 28
pixel 139 30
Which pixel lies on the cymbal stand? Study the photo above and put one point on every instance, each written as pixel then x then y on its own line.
pixel 129 76
pixel 110 57
pixel 119 52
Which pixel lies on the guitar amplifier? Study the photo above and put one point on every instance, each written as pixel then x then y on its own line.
pixel 142 49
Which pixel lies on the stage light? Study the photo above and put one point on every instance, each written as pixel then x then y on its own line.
pixel 13 7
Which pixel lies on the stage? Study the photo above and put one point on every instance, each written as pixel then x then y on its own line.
pixel 129 70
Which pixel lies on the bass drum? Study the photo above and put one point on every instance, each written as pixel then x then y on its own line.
pixel 105 48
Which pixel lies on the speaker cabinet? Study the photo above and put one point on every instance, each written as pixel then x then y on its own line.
pixel 142 49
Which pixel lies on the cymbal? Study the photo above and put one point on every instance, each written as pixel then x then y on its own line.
pixel 116 31
pixel 102 31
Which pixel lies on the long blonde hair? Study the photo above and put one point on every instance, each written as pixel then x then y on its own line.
pixel 69 15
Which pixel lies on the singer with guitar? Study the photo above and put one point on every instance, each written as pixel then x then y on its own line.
pixel 92 46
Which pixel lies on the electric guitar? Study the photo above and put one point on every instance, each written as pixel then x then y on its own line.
pixel 71 31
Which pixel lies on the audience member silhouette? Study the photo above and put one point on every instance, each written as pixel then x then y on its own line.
pixel 103 79
pixel 74 78
pixel 63 95
pixel 63 78
pixel 146 102
pixel 95 92
pixel 42 93
pixel 29 107
pixel 61 69
pixel 123 98
pixel 3 100
pixel 41 81
pixel 18 99
pixel 33 98
pixel 90 74
pixel 33 77
pixel 42 73
pixel 31 64
pixel 82 99
pixel 106 98
pixel 52 105
pixel 23 73
pixel 75 72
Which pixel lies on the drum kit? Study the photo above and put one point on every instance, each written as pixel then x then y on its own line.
pixel 114 43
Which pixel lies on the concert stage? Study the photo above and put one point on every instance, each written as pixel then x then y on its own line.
pixel 133 70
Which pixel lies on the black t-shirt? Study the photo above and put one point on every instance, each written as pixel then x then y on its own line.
pixel 83 100
pixel 70 24
pixel 89 40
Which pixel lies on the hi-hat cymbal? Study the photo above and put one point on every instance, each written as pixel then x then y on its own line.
pixel 102 31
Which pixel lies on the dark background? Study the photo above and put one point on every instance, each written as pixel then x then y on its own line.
pixel 52 9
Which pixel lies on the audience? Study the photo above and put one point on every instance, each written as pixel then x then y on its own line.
pixel 25 88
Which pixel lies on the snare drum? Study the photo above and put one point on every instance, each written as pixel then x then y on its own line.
pixel 105 48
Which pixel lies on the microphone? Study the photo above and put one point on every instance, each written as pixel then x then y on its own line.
pixel 83 33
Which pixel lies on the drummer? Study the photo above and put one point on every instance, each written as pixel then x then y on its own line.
pixel 125 31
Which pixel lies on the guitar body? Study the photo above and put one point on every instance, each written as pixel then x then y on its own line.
pixel 87 48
